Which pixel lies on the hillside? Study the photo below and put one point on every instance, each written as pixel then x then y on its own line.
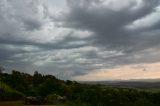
pixel 18 85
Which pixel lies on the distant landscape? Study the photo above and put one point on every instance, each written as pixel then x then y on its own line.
pixel 152 83
pixel 21 89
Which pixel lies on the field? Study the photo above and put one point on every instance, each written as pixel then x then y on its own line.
pixel 20 103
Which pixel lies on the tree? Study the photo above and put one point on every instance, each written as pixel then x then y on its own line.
pixel 37 78
pixel 1 69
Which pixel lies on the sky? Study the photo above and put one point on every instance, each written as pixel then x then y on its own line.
pixel 82 40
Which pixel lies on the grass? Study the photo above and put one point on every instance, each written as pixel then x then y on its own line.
pixel 20 103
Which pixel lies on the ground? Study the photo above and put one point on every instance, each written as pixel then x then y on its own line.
pixel 20 103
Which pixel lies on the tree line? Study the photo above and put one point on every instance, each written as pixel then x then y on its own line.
pixel 17 85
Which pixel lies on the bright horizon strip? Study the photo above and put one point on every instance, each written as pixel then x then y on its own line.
pixel 127 72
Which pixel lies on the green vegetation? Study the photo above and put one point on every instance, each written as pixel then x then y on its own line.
pixel 16 85
pixel 6 93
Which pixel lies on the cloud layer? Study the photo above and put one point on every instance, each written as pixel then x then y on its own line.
pixel 71 38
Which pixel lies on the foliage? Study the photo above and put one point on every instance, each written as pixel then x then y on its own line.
pixel 6 93
pixel 48 86
pixel 52 98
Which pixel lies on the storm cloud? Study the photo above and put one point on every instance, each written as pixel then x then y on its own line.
pixel 68 38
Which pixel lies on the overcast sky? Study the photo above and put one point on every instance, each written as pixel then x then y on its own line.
pixel 81 39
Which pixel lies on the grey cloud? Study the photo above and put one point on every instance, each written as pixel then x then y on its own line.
pixel 107 24
pixel 27 13
pixel 110 33
pixel 67 42
pixel 110 42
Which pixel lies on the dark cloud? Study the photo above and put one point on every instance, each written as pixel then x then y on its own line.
pixel 89 35
pixel 108 24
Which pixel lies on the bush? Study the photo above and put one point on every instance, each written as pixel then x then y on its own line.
pixel 52 98
pixel 6 93
pixel 56 99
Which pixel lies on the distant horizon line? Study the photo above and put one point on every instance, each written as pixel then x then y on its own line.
pixel 145 80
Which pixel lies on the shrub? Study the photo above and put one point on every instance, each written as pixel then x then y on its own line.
pixel 6 93
pixel 52 98
pixel 56 99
